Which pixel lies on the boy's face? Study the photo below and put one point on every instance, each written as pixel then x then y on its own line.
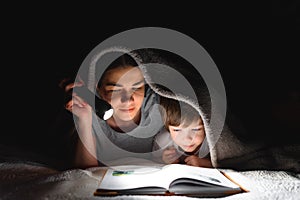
pixel 124 89
pixel 188 137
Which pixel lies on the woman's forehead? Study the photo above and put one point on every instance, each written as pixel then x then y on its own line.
pixel 123 75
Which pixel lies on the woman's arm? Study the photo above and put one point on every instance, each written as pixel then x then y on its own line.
pixel 85 152
pixel 85 147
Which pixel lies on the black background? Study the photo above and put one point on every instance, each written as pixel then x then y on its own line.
pixel 256 48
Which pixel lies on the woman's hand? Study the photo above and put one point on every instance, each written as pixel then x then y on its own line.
pixel 75 103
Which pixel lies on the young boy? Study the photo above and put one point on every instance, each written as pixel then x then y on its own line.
pixel 183 139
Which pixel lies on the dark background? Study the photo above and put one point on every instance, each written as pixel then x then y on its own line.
pixel 256 48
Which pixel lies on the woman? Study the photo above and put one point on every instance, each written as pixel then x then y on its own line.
pixel 136 119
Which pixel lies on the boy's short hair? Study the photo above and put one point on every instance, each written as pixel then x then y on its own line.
pixel 175 112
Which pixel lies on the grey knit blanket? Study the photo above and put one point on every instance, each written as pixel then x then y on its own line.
pixel 30 180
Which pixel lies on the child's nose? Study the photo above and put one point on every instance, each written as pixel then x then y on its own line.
pixel 187 135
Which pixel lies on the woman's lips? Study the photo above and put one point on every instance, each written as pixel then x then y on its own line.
pixel 126 109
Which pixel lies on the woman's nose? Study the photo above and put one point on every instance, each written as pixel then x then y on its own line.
pixel 126 96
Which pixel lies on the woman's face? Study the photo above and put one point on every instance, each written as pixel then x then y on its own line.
pixel 124 89
pixel 188 137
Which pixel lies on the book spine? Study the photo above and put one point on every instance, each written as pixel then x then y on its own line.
pixel 231 179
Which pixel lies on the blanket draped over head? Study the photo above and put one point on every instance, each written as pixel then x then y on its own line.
pixel 164 69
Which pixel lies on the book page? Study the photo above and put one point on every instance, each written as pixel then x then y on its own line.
pixel 132 176
pixel 209 175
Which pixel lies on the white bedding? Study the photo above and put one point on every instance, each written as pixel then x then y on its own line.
pixel 30 180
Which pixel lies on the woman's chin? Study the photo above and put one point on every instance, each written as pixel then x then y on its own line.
pixel 126 117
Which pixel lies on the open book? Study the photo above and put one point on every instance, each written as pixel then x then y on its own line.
pixel 172 179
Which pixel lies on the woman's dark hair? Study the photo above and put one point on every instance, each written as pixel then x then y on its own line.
pixel 124 60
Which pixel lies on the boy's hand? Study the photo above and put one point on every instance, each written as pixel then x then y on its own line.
pixel 169 156
pixel 198 162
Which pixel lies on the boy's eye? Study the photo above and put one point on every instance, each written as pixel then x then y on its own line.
pixel 196 129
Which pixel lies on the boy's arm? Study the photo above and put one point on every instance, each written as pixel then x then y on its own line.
pixel 170 156
pixel 157 151
pixel 160 144
pixel 199 162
